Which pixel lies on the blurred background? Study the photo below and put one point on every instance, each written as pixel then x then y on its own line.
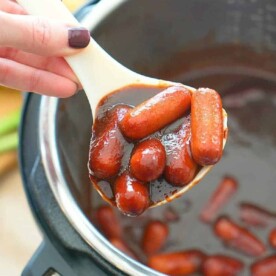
pixel 19 235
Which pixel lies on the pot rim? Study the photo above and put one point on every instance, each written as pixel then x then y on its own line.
pixel 56 180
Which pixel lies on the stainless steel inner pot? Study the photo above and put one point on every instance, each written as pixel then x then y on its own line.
pixel 185 41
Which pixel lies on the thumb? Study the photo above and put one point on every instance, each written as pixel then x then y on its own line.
pixel 42 36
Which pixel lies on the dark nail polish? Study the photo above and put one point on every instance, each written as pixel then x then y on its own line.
pixel 78 37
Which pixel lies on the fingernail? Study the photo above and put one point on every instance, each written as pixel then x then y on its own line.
pixel 78 37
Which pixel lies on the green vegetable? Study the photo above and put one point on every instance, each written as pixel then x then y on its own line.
pixel 8 142
pixel 10 122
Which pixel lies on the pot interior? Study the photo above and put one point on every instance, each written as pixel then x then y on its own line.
pixel 226 45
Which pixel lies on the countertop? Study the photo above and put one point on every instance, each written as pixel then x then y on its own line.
pixel 19 235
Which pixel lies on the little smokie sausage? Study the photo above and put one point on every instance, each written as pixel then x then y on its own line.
pixel 255 215
pixel 207 126
pixel 148 160
pixel 177 263
pixel 238 237
pixel 219 265
pixel 226 189
pixel 264 267
pixel 131 195
pixel 180 167
pixel 154 237
pixel 155 113
pixel 108 222
pixel 106 148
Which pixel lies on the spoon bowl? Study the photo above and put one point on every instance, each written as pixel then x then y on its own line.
pixel 100 75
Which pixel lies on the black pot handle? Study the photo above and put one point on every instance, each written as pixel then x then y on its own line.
pixel 46 261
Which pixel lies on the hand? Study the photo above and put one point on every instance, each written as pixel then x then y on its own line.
pixel 31 51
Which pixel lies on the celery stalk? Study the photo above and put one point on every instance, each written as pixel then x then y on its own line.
pixel 9 122
pixel 8 142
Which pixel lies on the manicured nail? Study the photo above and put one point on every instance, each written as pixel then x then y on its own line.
pixel 78 37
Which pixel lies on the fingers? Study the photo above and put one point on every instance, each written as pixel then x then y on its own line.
pixel 39 35
pixel 55 65
pixel 23 66
pixel 25 78
pixel 11 7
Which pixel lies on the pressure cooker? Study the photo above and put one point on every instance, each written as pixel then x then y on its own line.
pixel 229 45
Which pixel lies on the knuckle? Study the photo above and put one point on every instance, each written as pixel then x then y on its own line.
pixel 41 32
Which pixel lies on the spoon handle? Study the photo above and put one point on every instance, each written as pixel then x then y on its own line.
pixel 98 72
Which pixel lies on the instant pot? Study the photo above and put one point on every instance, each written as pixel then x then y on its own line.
pixel 224 44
